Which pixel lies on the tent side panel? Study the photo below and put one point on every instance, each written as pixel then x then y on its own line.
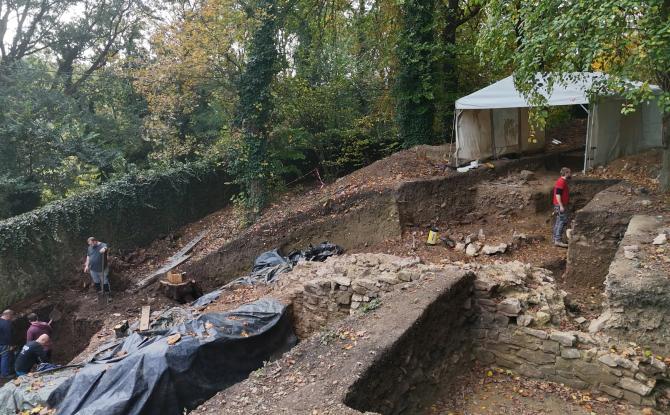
pixel 652 125
pixel 615 135
pixel 474 135
pixel 605 136
pixel 506 131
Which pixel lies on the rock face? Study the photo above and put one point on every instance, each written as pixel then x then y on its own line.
pixel 637 289
pixel 577 358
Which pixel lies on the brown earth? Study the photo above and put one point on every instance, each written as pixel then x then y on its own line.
pixel 421 162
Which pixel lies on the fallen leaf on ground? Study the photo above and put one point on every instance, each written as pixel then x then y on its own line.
pixel 173 339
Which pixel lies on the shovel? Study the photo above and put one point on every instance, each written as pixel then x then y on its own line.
pixel 55 315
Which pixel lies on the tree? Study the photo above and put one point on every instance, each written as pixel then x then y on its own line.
pixel 628 39
pixel 415 83
pixel 256 104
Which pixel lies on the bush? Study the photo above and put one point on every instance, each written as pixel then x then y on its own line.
pixel 18 195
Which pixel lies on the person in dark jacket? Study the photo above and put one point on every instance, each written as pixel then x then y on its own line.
pixel 31 354
pixel 6 346
pixel 38 328
pixel 96 263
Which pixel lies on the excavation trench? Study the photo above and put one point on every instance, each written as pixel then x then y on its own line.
pixel 495 199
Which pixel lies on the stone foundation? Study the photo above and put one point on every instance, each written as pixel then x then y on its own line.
pixel 637 288
pixel 503 336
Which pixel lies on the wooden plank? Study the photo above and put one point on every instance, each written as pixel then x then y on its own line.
pixel 174 260
pixel 162 270
pixel 144 319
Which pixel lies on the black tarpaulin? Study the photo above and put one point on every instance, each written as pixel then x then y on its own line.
pixel 146 375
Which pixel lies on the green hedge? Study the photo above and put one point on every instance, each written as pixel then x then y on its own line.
pixel 45 248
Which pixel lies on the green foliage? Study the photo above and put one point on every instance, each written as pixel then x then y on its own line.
pixel 415 81
pixel 627 39
pixel 253 169
pixel 44 247
pixel 374 304
pixel 18 195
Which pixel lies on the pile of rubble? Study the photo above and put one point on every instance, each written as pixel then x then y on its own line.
pixel 475 244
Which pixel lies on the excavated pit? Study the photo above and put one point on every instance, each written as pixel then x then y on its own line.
pixel 71 334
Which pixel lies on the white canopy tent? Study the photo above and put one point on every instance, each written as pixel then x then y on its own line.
pixel 493 122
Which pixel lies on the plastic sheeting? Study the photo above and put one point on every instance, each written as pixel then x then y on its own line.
pixel 146 375
pixel 269 265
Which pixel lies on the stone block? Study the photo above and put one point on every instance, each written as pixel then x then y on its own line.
pixel 632 397
pixel 549 346
pixel 611 391
pixel 501 320
pixel 390 280
pixel 634 386
pixel 479 333
pixel 570 353
pixel 405 275
pixel 342 280
pixel 592 373
pixel 569 380
pixel 564 338
pixel 537 357
pixel 344 298
pixel 521 339
pixel 530 371
pixel 484 285
pixel 510 307
pixel 535 333
pixel 524 320
pixel 314 287
pixel 608 359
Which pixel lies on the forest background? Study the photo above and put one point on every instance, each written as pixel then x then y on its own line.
pixel 98 90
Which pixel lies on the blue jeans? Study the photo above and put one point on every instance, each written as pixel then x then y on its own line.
pixel 561 221
pixel 99 277
pixel 6 355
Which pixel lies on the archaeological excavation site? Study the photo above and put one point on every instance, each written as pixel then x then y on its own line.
pixel 334 302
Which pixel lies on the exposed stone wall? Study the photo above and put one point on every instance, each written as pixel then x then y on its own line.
pixel 637 287
pixel 574 358
pixel 325 292
pixel 436 348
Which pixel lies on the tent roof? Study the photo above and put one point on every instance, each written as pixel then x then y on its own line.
pixel 503 94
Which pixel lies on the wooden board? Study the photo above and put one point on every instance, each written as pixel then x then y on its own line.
pixel 174 260
pixel 144 319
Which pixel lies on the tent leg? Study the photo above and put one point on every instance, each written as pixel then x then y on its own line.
pixel 588 141
pixel 493 136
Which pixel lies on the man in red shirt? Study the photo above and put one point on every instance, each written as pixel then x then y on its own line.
pixel 561 198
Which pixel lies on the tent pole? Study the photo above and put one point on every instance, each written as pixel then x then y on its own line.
pixel 588 139
pixel 454 155
pixel 493 135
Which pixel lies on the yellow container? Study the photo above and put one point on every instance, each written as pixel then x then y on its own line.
pixel 433 237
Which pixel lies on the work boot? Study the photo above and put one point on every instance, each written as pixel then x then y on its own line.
pixel 560 244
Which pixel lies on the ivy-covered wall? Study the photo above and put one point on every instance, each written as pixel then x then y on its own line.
pixel 46 247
